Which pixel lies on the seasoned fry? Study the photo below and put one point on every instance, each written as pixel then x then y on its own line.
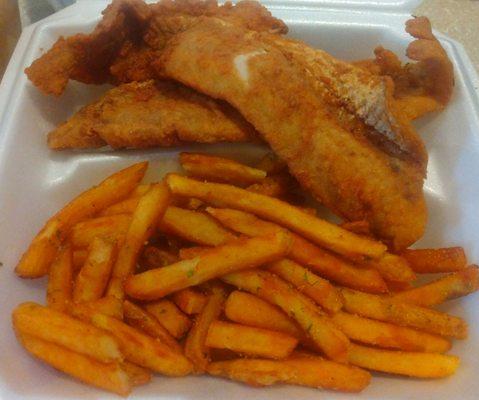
pixel 108 305
pixel 107 376
pixel 321 261
pixel 274 290
pixel 251 310
pixel 36 261
pixel 92 279
pixel 383 309
pixel 382 334
pixel 59 328
pixel 141 319
pixel 112 227
pixel 127 206
pixel 219 169
pixel 193 252
pixel 189 301
pixel 311 371
pixel 195 347
pixel 143 350
pixel 418 365
pixel 360 227
pixel 319 231
pixel 455 285
pixel 137 375
pixel 393 268
pixel 249 340
pixel 319 289
pixel 241 254
pixel 59 289
pixel 140 190
pixel 153 257
pixel 194 226
pixel 170 316
pixel 424 261
pixel 394 286
pixel 149 211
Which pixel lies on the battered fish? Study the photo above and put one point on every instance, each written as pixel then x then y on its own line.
pixel 130 36
pixel 352 152
pixel 147 114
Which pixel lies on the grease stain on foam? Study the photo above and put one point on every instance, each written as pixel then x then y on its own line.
pixel 241 64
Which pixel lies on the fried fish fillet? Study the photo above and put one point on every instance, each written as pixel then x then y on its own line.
pixel 349 148
pixel 419 87
pixel 151 113
pixel 130 36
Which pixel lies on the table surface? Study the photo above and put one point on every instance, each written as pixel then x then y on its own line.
pixel 459 19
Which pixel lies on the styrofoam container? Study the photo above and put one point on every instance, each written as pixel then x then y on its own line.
pixel 35 182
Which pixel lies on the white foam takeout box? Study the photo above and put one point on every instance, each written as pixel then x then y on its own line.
pixel 35 182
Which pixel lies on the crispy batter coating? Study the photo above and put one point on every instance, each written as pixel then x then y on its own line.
pixel 303 113
pixel 419 87
pixel 147 114
pixel 131 35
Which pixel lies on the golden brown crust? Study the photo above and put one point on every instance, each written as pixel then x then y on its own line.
pixel 149 114
pixel 130 35
pixel 328 147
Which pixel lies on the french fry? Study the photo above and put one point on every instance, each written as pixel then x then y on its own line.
pixel 274 290
pixel 78 259
pixel 394 286
pixel 170 316
pixel 140 190
pixel 59 289
pixel 36 261
pixel 392 268
pixel 92 279
pixel 219 169
pixel 189 301
pixel 241 254
pixel 361 227
pixel 195 347
pixel 112 227
pixel 108 305
pixel 313 372
pixel 319 289
pixel 388 310
pixel 142 320
pixel 149 211
pixel 418 365
pixel 107 376
pixel 315 258
pixel 154 257
pixel 382 334
pixel 319 231
pixel 127 206
pixel 59 328
pixel 193 252
pixel 144 350
pixel 247 309
pixel 271 164
pixel 425 261
pixel 249 340
pixel 137 375
pixel 455 285
pixel 194 226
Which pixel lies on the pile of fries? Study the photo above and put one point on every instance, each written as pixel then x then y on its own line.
pixel 216 273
